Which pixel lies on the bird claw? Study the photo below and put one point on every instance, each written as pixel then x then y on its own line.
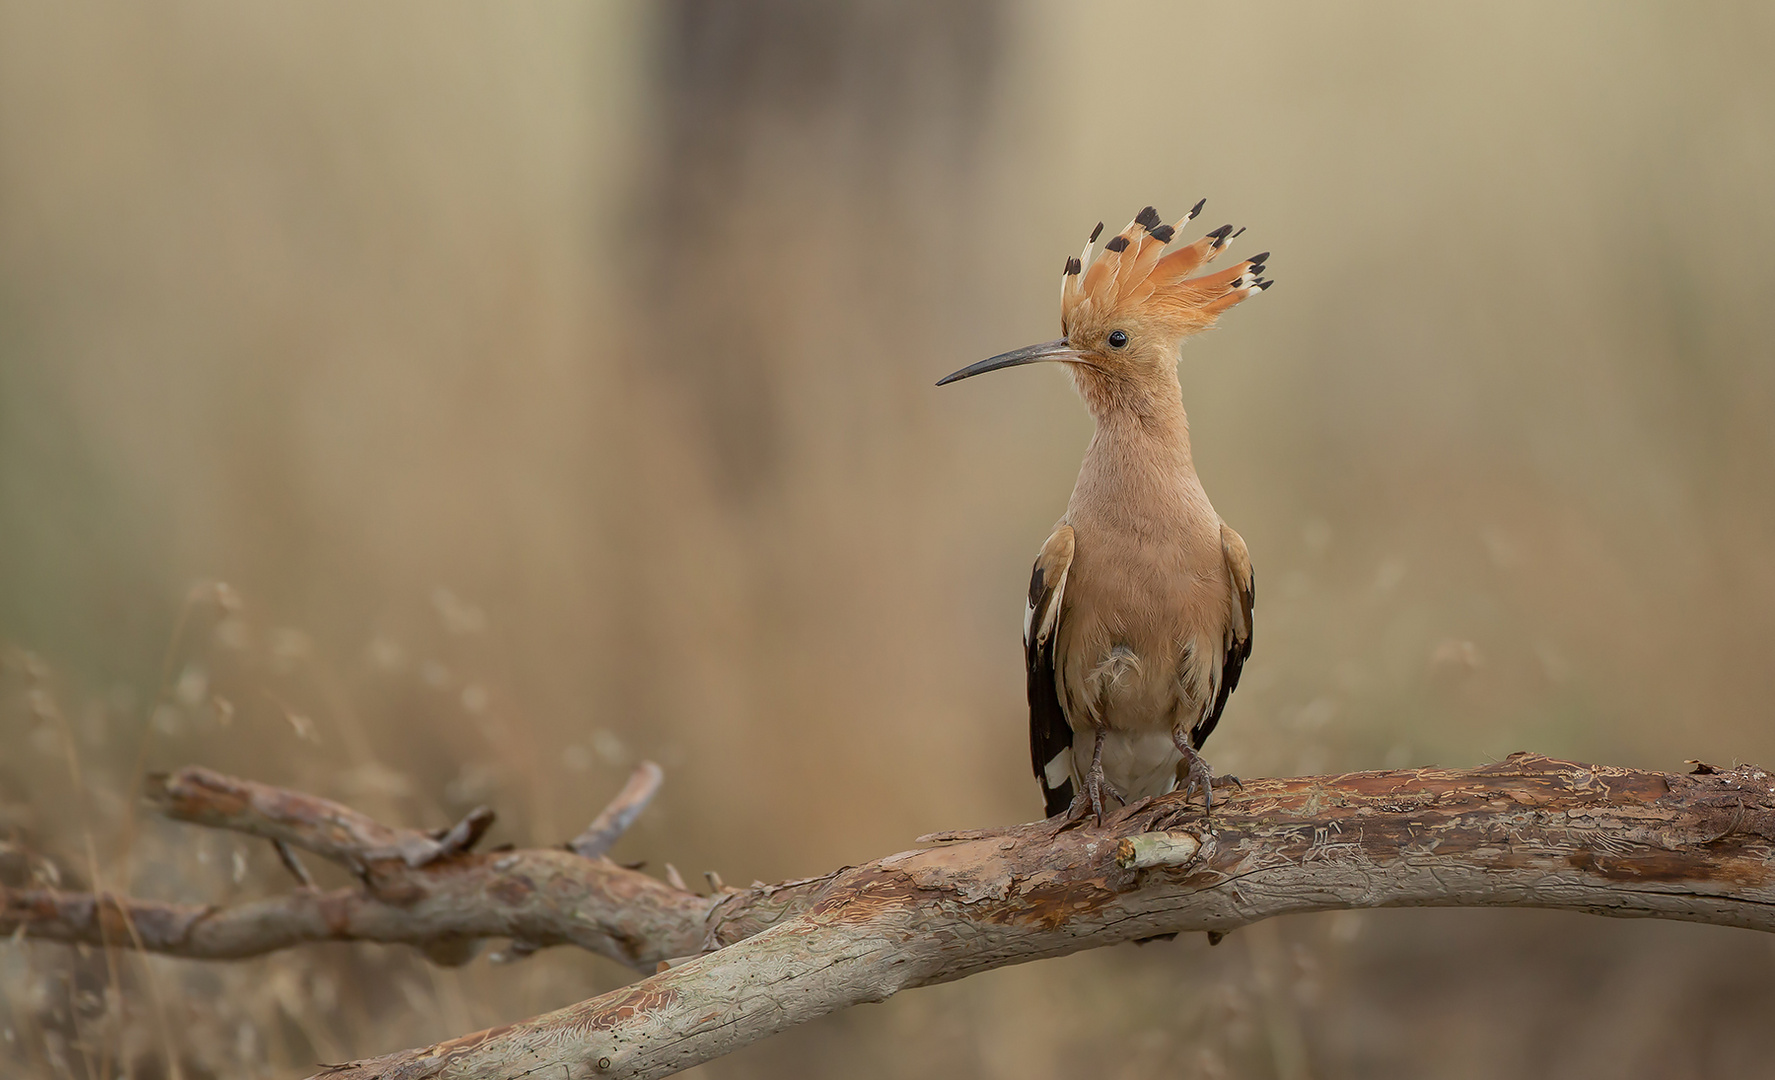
pixel 1088 804
pixel 1095 786
pixel 1193 775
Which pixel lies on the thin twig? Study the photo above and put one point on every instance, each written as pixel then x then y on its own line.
pixel 614 820
pixel 465 834
pixel 293 863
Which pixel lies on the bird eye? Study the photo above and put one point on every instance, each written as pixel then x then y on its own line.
pixel 1117 339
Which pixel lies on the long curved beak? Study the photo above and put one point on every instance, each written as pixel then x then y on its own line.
pixel 1032 354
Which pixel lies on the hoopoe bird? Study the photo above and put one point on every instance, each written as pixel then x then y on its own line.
pixel 1139 616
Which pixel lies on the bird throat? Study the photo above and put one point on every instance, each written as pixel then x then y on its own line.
pixel 1140 415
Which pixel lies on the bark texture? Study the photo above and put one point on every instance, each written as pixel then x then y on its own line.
pixel 1527 832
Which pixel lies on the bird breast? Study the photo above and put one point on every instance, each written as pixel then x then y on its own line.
pixel 1141 627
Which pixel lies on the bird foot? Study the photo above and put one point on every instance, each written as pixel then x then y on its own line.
pixel 1096 786
pixel 1193 774
pixel 1087 804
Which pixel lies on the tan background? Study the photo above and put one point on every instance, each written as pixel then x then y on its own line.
pixel 552 385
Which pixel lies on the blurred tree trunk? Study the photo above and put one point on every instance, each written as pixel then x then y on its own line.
pixel 809 169
pixel 777 118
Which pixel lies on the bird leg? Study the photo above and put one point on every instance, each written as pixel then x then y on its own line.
pixel 1090 800
pixel 1193 773
pixel 1094 780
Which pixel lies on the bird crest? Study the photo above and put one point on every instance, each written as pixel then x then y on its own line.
pixel 1135 279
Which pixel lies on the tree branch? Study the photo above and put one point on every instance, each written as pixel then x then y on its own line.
pixel 415 888
pixel 1526 832
pixel 614 820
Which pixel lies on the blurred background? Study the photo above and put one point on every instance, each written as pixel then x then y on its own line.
pixel 435 404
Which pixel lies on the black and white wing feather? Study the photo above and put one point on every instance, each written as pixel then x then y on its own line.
pixel 1236 648
pixel 1050 736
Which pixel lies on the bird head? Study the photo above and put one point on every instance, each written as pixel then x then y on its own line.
pixel 1124 313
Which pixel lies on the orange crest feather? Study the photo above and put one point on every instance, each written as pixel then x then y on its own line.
pixel 1135 279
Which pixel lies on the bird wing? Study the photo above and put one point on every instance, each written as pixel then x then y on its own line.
pixel 1236 647
pixel 1050 736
